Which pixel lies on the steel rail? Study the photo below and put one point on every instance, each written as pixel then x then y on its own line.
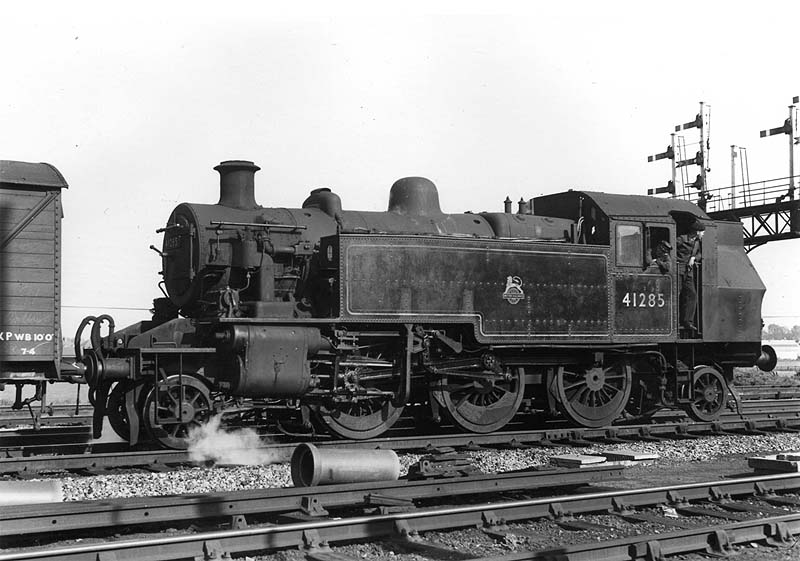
pixel 84 461
pixel 271 537
pixel 564 435
pixel 40 518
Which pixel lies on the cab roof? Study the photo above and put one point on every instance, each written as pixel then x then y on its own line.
pixel 614 205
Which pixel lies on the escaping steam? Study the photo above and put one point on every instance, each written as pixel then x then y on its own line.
pixel 243 446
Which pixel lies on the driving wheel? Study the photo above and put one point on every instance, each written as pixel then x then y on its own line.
pixel 363 406
pixel 359 418
pixel 592 397
pixel 480 403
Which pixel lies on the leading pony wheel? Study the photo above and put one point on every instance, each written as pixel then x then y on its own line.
pixel 181 404
pixel 592 397
pixel 117 412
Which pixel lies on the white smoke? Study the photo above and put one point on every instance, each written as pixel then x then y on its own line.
pixel 242 446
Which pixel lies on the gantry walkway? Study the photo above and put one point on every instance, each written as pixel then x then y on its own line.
pixel 769 210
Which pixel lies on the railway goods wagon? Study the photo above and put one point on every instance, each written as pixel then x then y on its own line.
pixel 30 276
pixel 329 320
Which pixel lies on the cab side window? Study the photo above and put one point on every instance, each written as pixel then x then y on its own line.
pixel 659 248
pixel 629 245
pixel 657 237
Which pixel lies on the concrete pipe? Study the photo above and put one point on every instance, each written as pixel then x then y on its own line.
pixel 312 466
pixel 30 492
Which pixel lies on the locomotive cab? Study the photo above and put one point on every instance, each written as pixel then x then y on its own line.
pixel 641 235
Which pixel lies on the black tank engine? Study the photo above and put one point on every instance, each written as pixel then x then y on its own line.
pixel 328 320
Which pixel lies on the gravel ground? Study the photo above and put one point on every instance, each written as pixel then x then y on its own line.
pixel 230 478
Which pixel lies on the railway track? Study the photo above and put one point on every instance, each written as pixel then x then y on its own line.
pixel 50 415
pixel 99 459
pixel 744 510
pixel 29 520
pixel 45 437
pixel 768 392
pixel 68 413
pixel 62 431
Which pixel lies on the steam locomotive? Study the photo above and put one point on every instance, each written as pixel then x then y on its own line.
pixel 328 320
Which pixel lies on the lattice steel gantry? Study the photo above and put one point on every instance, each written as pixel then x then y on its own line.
pixel 768 209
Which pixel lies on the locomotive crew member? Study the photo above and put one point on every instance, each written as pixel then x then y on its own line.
pixel 661 256
pixel 688 245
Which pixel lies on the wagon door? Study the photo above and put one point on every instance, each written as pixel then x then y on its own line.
pixel 644 280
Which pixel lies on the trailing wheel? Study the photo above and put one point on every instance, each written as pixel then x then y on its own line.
pixel 181 404
pixel 592 397
pixel 710 391
pixel 480 402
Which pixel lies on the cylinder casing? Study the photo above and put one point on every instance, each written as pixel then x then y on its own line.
pixel 266 360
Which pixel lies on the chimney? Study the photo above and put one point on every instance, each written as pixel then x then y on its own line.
pixel 237 184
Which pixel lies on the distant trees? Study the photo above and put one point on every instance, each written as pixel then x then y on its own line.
pixel 775 331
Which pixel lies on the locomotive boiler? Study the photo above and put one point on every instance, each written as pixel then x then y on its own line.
pixel 322 319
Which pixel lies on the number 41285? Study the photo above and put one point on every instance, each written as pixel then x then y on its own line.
pixel 644 300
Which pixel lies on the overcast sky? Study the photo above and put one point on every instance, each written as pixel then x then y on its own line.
pixel 135 103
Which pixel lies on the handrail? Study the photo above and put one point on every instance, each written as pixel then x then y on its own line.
pixel 751 194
